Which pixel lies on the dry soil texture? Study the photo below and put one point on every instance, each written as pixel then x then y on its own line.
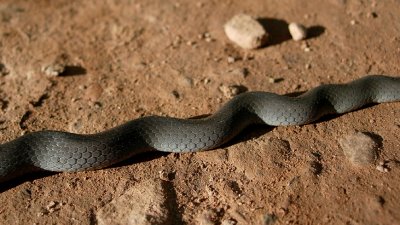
pixel 130 58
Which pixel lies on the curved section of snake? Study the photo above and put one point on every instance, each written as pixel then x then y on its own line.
pixel 62 151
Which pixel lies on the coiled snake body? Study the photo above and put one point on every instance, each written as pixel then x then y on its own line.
pixel 62 151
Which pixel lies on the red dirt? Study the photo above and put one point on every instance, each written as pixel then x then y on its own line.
pixel 127 59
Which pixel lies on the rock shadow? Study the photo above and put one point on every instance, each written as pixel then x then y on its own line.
pixel 277 29
pixel 315 31
pixel 73 71
pixel 279 32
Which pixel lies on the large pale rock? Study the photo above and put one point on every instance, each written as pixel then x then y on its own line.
pixel 246 32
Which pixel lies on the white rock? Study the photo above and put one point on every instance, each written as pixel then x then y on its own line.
pixel 54 70
pixel 246 32
pixel 298 31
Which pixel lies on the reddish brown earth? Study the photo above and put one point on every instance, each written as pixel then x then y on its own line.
pixel 127 59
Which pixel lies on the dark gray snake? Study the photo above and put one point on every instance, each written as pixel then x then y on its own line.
pixel 62 151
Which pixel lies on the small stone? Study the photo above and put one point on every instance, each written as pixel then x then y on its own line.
pixel 383 167
pixel 229 222
pixel 3 70
pixel 216 59
pixel 165 176
pixel 175 94
pixel 191 43
pixel 97 105
pixel 298 31
pixel 305 46
pixel 359 148
pixel 54 70
pixel 308 66
pixel 231 90
pixel 52 206
pixel 209 39
pixel 353 22
pixel 231 59
pixel 273 80
pixel 246 32
pixel 206 80
pixel 372 15
pixel 240 72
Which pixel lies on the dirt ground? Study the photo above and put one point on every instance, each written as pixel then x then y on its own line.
pixel 129 58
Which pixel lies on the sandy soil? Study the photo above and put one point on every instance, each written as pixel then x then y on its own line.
pixel 126 59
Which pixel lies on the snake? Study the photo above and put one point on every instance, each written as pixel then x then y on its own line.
pixel 60 151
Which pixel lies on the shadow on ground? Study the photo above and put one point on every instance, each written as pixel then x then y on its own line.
pixel 278 30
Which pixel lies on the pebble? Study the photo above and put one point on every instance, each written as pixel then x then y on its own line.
pixel 273 80
pixel 230 91
pixel 382 167
pixel 229 222
pixel 3 70
pixel 206 80
pixel 359 148
pixel 246 32
pixel 298 31
pixel 54 70
pixel 240 72
pixel 166 176
pixel 231 59
pixel 372 15
pixel 53 206
pixel 175 94
pixel 305 47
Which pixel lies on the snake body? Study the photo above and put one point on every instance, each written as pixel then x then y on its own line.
pixel 62 151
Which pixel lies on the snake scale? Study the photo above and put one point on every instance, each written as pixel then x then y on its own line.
pixel 62 151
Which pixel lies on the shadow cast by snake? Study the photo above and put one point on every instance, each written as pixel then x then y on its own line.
pixel 248 133
pixel 325 101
